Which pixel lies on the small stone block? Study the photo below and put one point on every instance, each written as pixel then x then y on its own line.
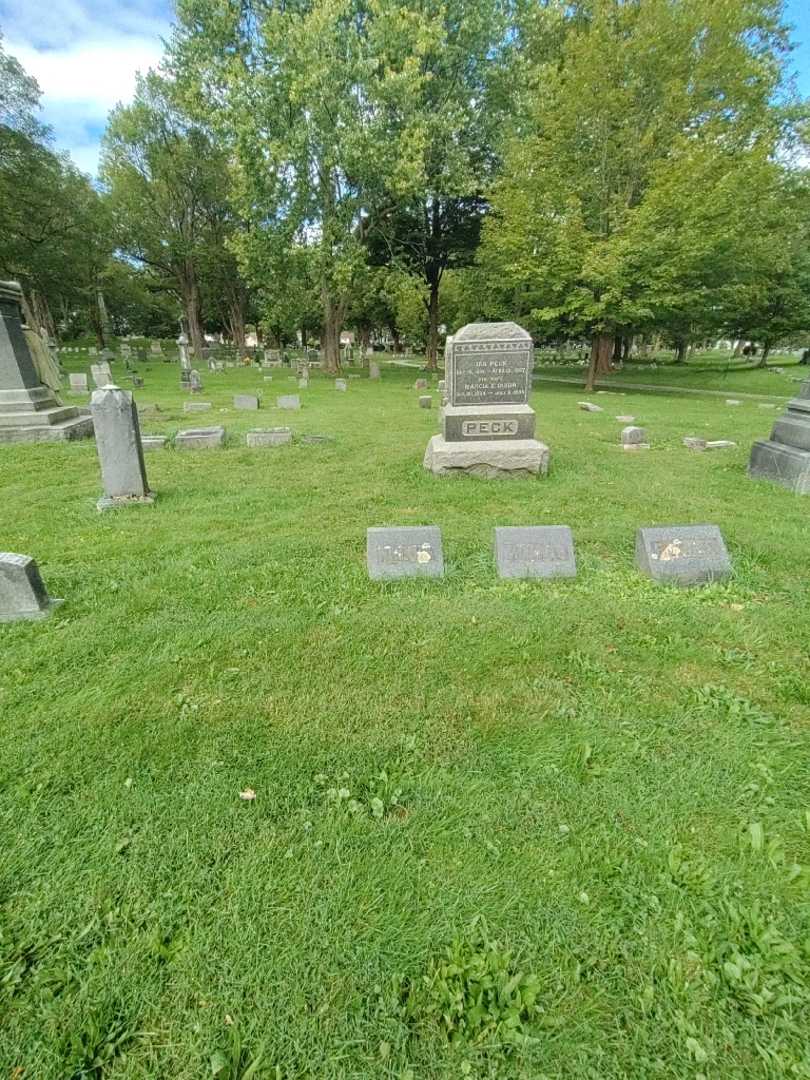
pixel 78 383
pixel 694 444
pixel 634 437
pixel 22 592
pixel 425 402
pixel 487 459
pixel 268 378
pixel 721 444
pixel 154 442
pixel 733 401
pixel 116 502
pixel 683 554
pixel 259 437
pixel 315 440
pixel 288 401
pixel 626 419
pixel 442 385
pixel 196 406
pixel 588 406
pixel 200 438
pixel 404 551
pixel 420 384
pixel 341 384
pixel 245 401
pixel 535 551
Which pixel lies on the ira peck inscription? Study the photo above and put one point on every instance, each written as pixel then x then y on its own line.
pixel 494 372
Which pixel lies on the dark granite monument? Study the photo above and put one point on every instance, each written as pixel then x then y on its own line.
pixel 488 426
pixel 785 457
pixel 404 551
pixel 535 551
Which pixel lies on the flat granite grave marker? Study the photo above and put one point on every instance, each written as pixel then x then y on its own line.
pixel 78 383
pixel 488 426
pixel 197 406
pixel 341 384
pixel 120 453
pixel 210 438
pixel 288 401
pixel 260 437
pixel 683 554
pixel 22 592
pixel 373 370
pixel 245 401
pixel 785 457
pixel 154 442
pixel 404 551
pixel 102 374
pixel 535 551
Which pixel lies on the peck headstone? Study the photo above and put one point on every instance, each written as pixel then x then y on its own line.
pixel 120 453
pixel 683 554
pixel 488 426
pixel 535 551
pixel 22 592
pixel 404 551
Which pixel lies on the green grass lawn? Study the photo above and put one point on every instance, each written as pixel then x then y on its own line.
pixel 718 371
pixel 501 829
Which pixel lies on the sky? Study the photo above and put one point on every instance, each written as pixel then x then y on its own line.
pixel 85 53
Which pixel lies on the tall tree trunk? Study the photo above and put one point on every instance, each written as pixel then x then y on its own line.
pixel 330 335
pixel 738 348
pixel 433 326
pixel 601 352
pixel 618 345
pixel 303 337
pixel 191 298
pixel 680 351
pixel 627 345
pixel 766 352
pixel 236 318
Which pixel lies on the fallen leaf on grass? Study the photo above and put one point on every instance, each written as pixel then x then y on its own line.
pixel 248 795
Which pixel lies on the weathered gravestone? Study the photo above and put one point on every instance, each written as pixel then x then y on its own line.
pixel 155 348
pixel 785 457
pixel 373 370
pixel 488 426
pixel 535 551
pixel 245 401
pixel 200 438
pixel 683 554
pixel 102 374
pixel 341 384
pixel 420 384
pixel 288 401
pixel 197 406
pixel 154 442
pixel 78 383
pixel 22 592
pixel 303 383
pixel 404 551
pixel 260 437
pixel 195 381
pixel 120 453
pixel 30 410
pixel 425 401
pixel 634 438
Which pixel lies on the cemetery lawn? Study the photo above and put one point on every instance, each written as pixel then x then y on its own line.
pixel 593 795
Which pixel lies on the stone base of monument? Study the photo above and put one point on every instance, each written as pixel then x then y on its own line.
pixel 487 458
pixel 785 465
pixel 112 502
pixel 36 416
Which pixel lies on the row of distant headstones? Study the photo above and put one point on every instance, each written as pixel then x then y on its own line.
pixel 680 555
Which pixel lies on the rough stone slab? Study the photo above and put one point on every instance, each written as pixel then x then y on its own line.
pixel 117 502
pixel 288 401
pixel 200 439
pixel 420 384
pixel 245 401
pixel 260 437
pixel 154 442
pixel 315 440
pixel 425 401
pixel 733 401
pixel 694 443
pixel 67 427
pixel 196 406
pixel 788 466
pixel 22 592
pixel 118 442
pixel 102 374
pixel 720 444
pixel 535 551
pixel 341 384
pixel 683 554
pixel 487 459
pixel 404 551
pixel 474 423
pixel 588 406
pixel 626 419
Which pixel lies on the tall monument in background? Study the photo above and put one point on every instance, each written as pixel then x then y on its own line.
pixel 30 410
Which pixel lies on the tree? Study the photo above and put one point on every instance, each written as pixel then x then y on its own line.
pixel 168 183
pixel 636 89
